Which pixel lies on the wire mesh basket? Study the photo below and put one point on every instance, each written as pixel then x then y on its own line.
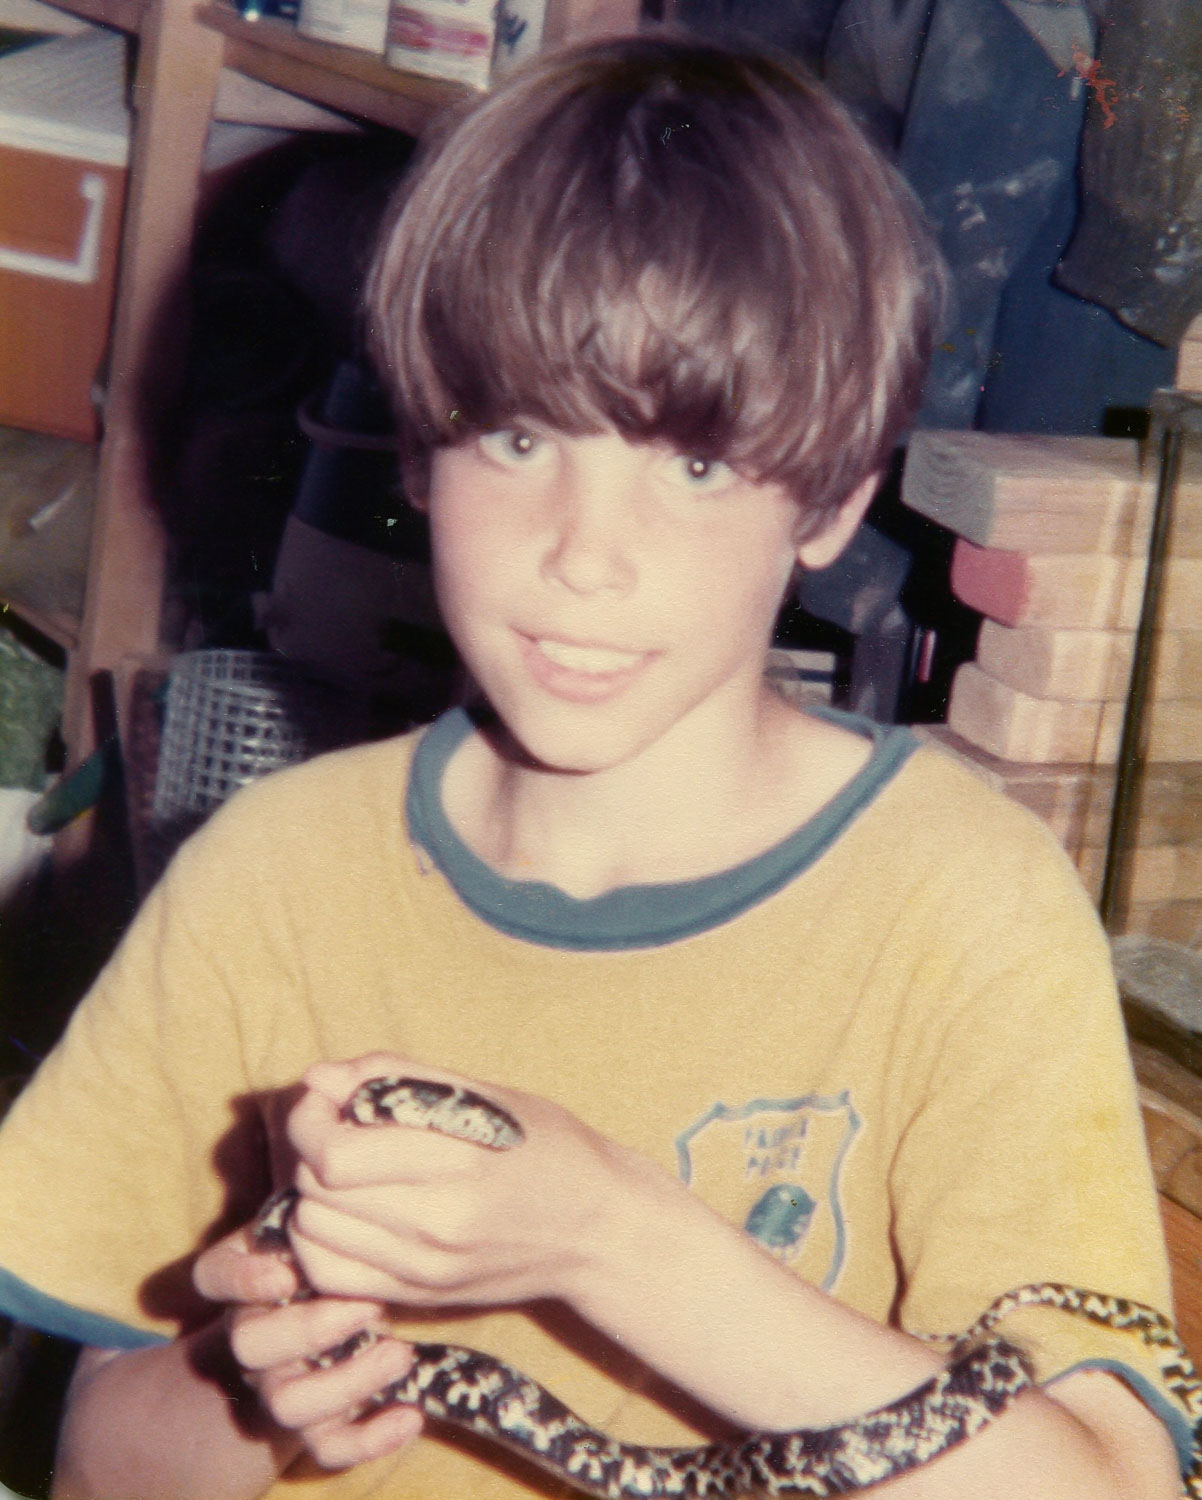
pixel 232 717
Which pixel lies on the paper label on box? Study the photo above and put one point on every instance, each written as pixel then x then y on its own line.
pixel 450 39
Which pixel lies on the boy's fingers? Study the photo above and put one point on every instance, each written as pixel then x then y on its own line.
pixel 233 1270
pixel 264 1337
pixel 303 1398
pixel 339 1080
pixel 340 1155
pixel 337 1275
pixel 341 1445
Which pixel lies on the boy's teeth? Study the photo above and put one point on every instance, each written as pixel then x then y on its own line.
pixel 587 658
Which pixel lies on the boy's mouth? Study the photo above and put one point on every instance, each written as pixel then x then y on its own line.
pixel 581 673
pixel 598 660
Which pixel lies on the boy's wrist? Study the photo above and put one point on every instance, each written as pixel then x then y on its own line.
pixel 211 1357
pixel 627 1216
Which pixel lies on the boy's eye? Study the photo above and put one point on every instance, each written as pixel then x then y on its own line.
pixel 510 444
pixel 701 473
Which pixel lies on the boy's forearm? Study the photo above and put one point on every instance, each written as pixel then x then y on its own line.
pixel 171 1422
pixel 770 1352
pixel 709 1308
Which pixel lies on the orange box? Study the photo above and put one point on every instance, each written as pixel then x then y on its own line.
pixel 64 145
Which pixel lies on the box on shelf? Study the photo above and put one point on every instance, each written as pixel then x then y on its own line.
pixel 519 32
pixel 464 41
pixel 64 149
pixel 362 24
pixel 64 143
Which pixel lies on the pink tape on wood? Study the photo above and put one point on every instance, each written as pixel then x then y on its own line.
pixel 995 582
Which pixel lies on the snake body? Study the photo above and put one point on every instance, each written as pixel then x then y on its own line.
pixel 484 1395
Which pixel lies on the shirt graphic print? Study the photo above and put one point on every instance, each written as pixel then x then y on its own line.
pixel 777 1165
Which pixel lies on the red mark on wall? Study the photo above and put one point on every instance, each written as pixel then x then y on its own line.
pixel 1090 69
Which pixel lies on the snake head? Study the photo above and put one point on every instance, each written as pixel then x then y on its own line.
pixel 422 1104
pixel 269 1231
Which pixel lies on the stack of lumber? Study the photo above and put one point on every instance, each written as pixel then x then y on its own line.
pixel 1051 541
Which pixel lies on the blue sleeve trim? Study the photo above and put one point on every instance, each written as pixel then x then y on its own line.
pixel 25 1304
pixel 1153 1398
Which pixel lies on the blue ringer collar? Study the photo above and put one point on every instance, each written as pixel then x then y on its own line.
pixel 638 916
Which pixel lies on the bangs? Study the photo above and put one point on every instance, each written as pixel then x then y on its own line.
pixel 677 244
pixel 641 317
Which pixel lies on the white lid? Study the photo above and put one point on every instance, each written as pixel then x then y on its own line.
pixel 67 97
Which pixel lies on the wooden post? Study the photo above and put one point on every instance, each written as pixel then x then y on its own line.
pixel 1189 358
pixel 176 83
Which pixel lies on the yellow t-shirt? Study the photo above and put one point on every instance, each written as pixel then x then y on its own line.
pixel 889 1049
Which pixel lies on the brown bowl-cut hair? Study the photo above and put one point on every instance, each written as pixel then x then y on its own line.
pixel 684 243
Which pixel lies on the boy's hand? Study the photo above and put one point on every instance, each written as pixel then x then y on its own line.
pixel 416 1217
pixel 275 1343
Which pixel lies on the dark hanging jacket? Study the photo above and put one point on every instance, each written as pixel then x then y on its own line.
pixel 1137 248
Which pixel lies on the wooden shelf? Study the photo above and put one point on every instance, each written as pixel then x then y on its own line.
pixel 341 78
pixel 49 15
pixel 47 489
pixel 123 15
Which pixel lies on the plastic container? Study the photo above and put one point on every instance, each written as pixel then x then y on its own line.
pixel 64 144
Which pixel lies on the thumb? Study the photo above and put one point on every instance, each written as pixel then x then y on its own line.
pixel 236 1270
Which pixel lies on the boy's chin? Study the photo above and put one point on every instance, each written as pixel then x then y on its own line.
pixel 557 758
pixel 590 745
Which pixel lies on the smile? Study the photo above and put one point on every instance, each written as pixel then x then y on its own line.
pixel 580 673
pixel 596 660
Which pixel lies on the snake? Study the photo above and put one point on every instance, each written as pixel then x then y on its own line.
pixel 488 1397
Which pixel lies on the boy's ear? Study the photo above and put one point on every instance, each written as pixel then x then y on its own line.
pixel 415 482
pixel 820 548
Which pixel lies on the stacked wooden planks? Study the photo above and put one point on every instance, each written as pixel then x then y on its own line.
pixel 1051 535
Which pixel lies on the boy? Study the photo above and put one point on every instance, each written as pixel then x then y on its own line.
pixel 812 1040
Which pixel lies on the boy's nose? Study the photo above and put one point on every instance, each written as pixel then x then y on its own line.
pixel 589 549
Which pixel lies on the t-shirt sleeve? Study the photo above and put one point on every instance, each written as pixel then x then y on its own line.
pixel 139 1137
pixel 1025 1161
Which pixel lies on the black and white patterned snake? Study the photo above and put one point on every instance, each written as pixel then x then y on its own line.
pixel 484 1395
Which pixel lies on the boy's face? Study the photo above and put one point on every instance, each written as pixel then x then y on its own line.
pixel 609 596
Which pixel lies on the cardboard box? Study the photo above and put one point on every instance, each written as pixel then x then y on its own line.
pixel 362 24
pixel 64 145
pixel 464 41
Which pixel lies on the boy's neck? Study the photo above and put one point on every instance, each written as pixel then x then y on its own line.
pixel 665 818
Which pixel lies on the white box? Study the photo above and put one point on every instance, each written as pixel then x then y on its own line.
pixel 450 39
pixel 465 41
pixel 362 24
pixel 519 33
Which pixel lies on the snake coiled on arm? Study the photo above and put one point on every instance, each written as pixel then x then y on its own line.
pixel 482 1394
